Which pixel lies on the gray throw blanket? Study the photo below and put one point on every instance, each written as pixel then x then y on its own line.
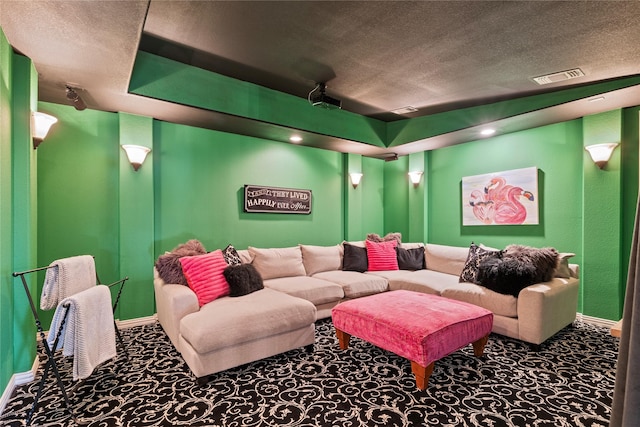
pixel 66 277
pixel 88 333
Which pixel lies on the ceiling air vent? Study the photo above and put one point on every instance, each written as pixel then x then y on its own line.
pixel 558 77
pixel 404 110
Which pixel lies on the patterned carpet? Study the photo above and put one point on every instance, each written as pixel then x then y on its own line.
pixel 569 383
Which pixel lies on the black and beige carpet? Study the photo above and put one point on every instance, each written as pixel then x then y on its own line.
pixel 569 383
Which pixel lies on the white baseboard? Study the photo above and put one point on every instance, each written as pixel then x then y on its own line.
pixel 21 378
pixel 139 321
pixel 16 380
pixel 595 320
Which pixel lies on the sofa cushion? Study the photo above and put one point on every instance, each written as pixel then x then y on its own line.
pixel 500 304
pixel 358 243
pixel 445 259
pixel 412 245
pixel 425 281
pixel 563 269
pixel 472 265
pixel 205 275
pixel 382 255
pixel 243 279
pixel 321 258
pixel 231 256
pixel 355 284
pixel 544 260
pixel 278 262
pixel 230 321
pixel 168 264
pixel 410 259
pixel 388 237
pixel 516 268
pixel 312 289
pixel 245 256
pixel 354 258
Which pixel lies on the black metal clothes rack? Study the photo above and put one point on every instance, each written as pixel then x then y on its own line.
pixel 51 363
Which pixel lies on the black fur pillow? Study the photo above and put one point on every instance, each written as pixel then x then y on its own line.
pixel 168 264
pixel 243 279
pixel 516 268
pixel 544 260
pixel 389 236
pixel 506 276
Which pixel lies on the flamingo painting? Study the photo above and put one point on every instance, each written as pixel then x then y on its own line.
pixel 505 198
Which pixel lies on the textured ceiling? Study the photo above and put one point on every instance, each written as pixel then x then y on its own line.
pixel 375 56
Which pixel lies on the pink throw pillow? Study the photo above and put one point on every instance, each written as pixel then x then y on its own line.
pixel 382 255
pixel 205 276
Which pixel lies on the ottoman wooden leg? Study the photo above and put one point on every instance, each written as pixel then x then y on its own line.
pixel 478 346
pixel 422 374
pixel 343 339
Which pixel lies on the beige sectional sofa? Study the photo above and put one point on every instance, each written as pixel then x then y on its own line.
pixel 303 283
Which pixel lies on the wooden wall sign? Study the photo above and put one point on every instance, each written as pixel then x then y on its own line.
pixel 276 200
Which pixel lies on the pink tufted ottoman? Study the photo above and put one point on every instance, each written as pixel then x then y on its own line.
pixel 420 327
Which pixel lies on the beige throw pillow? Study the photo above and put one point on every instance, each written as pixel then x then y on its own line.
pixel 445 259
pixel 278 262
pixel 563 270
pixel 317 259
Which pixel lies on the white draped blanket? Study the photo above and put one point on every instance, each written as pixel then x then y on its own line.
pixel 88 334
pixel 66 277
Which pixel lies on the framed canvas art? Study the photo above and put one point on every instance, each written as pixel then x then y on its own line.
pixel 501 198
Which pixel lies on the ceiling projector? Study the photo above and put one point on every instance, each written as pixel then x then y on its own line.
pixel 319 98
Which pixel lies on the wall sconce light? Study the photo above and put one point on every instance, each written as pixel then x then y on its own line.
pixel 415 178
pixel 355 178
pixel 136 155
pixel 601 153
pixel 41 124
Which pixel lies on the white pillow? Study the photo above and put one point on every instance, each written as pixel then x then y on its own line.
pixel 317 259
pixel 278 262
pixel 445 259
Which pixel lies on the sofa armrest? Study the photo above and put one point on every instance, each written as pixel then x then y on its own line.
pixel 173 302
pixel 546 308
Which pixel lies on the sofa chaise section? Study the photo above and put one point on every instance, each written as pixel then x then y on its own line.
pixel 230 332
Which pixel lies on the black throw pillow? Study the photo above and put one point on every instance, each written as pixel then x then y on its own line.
pixel 476 255
pixel 355 258
pixel 410 259
pixel 243 279
pixel 231 255
pixel 506 275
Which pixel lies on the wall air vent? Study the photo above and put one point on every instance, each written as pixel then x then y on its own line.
pixel 404 110
pixel 558 77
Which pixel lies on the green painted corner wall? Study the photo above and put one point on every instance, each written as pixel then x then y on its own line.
pixel 6 213
pixel 18 229
pixel 583 209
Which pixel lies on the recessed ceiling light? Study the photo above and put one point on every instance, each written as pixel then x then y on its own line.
pixel 487 131
pixel 597 98
pixel 404 110
pixel 295 138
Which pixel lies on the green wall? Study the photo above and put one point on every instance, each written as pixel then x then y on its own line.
pixel 199 184
pixel 18 204
pixel 583 209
